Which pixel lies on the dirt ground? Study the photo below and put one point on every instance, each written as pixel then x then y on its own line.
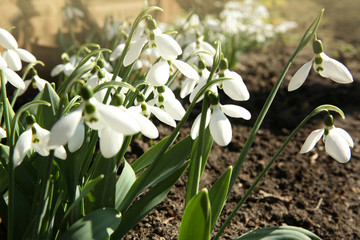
pixel 312 191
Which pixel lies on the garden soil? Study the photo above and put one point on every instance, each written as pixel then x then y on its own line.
pixel 311 191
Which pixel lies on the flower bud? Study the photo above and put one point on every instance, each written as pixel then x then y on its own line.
pixel 160 89
pixel 201 64
pixel 329 120
pixel 101 74
pixel 30 120
pixel 86 93
pixel 65 57
pixel 140 98
pixel 116 100
pixel 213 98
pixel 317 46
pixel 151 24
pixel 101 63
pixel 224 64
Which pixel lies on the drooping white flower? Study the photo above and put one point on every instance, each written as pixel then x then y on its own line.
pixel 164 45
pixel 200 45
pixel 327 67
pixel 36 82
pixel 36 138
pixel 337 141
pixel 13 54
pixel 219 124
pixel 159 73
pixel 10 75
pixel 97 116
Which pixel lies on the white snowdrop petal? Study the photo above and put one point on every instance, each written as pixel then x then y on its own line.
pixel 220 127
pixel 57 70
pixel 60 152
pixel 311 140
pixel 22 91
pixel 162 115
pixel 335 70
pixel 207 47
pixel 236 111
pixel 186 69
pixel 110 142
pixel 25 55
pixel 134 51
pixel 14 78
pixel 68 69
pixel 196 90
pixel 40 149
pixel 40 83
pixel 300 76
pixel 76 141
pixel 167 47
pixel 146 126
pixel 174 108
pixel 7 40
pixel 158 74
pixel 65 128
pixel 337 147
pixel 194 132
pixel 13 60
pixel 236 88
pixel 22 146
pixel 189 49
pixel 345 135
pixel 3 63
pixel 116 53
pixel 2 133
pixel 116 118
pixel 187 87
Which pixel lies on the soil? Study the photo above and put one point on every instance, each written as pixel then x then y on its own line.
pixel 311 191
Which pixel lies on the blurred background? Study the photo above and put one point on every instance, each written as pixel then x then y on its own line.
pixel 38 22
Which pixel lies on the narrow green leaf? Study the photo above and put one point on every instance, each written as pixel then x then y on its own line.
pixel 279 233
pixel 46 116
pixel 146 203
pixel 195 223
pixel 124 183
pixel 97 225
pixel 148 157
pixel 218 194
pixel 85 190
pixel 103 194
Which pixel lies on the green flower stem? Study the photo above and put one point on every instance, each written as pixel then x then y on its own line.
pixel 305 39
pixel 45 185
pixel 263 172
pixel 196 162
pixel 11 191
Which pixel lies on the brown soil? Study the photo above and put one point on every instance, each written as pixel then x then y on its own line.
pixel 312 191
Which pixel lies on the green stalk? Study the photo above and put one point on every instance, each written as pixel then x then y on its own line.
pixel 305 39
pixel 263 172
pixel 196 162
pixel 11 193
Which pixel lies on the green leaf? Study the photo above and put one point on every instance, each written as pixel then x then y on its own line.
pixel 279 233
pixel 97 225
pixel 87 188
pixel 147 202
pixel 46 116
pixel 218 194
pixel 103 194
pixel 124 183
pixel 195 223
pixel 148 157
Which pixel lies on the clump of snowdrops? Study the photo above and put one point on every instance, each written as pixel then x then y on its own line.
pixel 63 172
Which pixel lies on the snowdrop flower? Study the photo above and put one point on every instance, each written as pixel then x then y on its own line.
pixel 97 116
pixel 165 99
pixel 36 82
pixel 234 88
pixel 324 65
pixel 69 65
pixel 71 13
pixel 36 138
pixel 200 45
pixel 164 45
pixel 188 86
pixel 337 141
pixel 146 110
pixel 159 73
pixel 220 126
pixel 10 75
pixel 12 54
